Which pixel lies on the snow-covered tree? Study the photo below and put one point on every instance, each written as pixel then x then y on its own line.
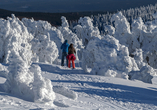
pixel 27 82
pixel 145 12
pixel 102 56
pixel 44 29
pixel 86 31
pixel 137 37
pixel 144 36
pixel 122 28
pixel 110 30
pixel 44 50
pixel 14 38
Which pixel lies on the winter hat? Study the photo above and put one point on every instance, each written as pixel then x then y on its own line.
pixel 66 41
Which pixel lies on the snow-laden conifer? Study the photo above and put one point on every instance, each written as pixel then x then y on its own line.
pixel 42 30
pixel 26 81
pixel 86 31
pixel 15 39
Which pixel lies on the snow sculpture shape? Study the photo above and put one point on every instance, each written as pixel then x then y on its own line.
pixel 71 37
pixel 102 56
pixel 14 38
pixel 86 31
pixel 43 28
pixel 27 82
pixel 65 92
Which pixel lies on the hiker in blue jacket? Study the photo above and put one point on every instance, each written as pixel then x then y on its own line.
pixel 64 48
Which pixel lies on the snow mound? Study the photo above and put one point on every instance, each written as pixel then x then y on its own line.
pixel 65 92
pixel 102 56
pixel 27 82
pixel 143 75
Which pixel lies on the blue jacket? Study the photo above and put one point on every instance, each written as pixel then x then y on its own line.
pixel 65 46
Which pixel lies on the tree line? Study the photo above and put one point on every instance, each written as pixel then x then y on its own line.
pixel 145 12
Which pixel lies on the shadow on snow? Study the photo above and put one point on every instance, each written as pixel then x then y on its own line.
pixel 116 91
pixel 119 92
pixel 52 68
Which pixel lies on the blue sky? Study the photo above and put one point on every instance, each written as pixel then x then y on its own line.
pixel 71 5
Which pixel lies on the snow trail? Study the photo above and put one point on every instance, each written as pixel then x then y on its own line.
pixel 102 93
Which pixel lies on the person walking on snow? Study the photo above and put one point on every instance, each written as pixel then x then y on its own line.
pixel 64 48
pixel 71 56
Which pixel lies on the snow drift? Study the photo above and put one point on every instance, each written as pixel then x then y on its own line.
pixel 65 92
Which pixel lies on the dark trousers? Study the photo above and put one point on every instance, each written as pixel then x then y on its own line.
pixel 64 54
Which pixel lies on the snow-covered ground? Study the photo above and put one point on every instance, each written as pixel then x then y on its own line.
pixel 76 90
pixel 113 72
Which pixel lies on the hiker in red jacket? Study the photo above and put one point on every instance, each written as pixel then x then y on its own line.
pixel 71 56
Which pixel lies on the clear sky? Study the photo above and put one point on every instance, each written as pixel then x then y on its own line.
pixel 71 5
